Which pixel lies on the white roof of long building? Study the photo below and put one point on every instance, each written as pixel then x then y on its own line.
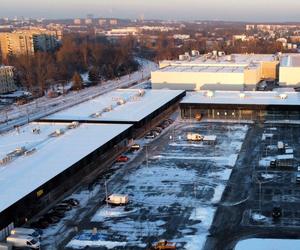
pixel 135 107
pixel 290 61
pixel 246 98
pixel 23 174
pixel 203 69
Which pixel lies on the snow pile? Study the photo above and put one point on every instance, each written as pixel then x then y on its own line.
pixel 258 217
pixel 267 176
pixel 108 212
pixel 88 239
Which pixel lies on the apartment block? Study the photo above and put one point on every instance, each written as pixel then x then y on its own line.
pixel 7 83
pixel 26 42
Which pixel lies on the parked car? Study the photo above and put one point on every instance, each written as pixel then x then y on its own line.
pixel 24 241
pixel 62 207
pixel 51 219
pixel 154 132
pixel 149 135
pixel 170 120
pixel 40 224
pixel 26 231
pixel 59 214
pixel 158 129
pixel 122 158
pixel 164 245
pixel 135 147
pixel 72 202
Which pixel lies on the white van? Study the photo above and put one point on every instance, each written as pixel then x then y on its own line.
pixel 25 231
pixel 23 241
pixel 194 137
pixel 117 199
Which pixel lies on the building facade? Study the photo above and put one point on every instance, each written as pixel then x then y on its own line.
pixel 26 42
pixel 7 83
pixel 215 71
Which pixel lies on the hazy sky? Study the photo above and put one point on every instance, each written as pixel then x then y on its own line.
pixel 247 10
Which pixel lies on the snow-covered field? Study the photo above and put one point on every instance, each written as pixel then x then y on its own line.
pixel 18 115
pixel 172 194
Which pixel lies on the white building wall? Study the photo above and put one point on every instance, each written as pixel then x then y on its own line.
pixel 195 80
pixel 289 75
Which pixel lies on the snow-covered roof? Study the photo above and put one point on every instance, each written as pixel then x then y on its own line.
pixel 290 61
pixel 122 105
pixel 243 98
pixel 47 155
pixel 204 69
pixel 233 59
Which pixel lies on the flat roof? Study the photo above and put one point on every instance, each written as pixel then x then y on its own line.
pixel 246 98
pixel 53 155
pixel 122 105
pixel 233 59
pixel 290 61
pixel 203 69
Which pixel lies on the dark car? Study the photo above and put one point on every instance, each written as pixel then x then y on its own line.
pixel 62 207
pixel 51 219
pixel 40 224
pixel 72 202
pixel 59 214
pixel 276 212
pixel 158 129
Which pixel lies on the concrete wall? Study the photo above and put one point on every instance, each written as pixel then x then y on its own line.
pixel 269 69
pixel 252 76
pixel 289 75
pixel 188 80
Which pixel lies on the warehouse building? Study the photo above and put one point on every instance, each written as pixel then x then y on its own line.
pixel 289 72
pixel 143 108
pixel 39 162
pixel 215 72
pixel 34 169
pixel 236 105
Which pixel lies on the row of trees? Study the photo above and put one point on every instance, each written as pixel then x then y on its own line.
pixel 77 54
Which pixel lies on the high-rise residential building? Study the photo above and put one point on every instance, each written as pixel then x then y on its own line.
pixel 7 83
pixel 113 22
pixel 102 22
pixel 26 42
pixel 16 44
pixel 88 21
pixel 77 21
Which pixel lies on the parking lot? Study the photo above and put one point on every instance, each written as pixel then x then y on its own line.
pixel 276 186
pixel 173 185
pixel 255 189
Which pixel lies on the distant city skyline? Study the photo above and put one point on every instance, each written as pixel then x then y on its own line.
pixel 230 10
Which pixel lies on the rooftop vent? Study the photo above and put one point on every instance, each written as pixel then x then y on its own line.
pixel 210 94
pixel 242 95
pixel 30 152
pixel 142 92
pixel 59 132
pixel 283 96
pixel 5 160
pixel 121 101
pixel 107 109
pixel 73 125
pixel 36 131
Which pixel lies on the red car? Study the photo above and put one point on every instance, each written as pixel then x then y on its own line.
pixel 122 158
